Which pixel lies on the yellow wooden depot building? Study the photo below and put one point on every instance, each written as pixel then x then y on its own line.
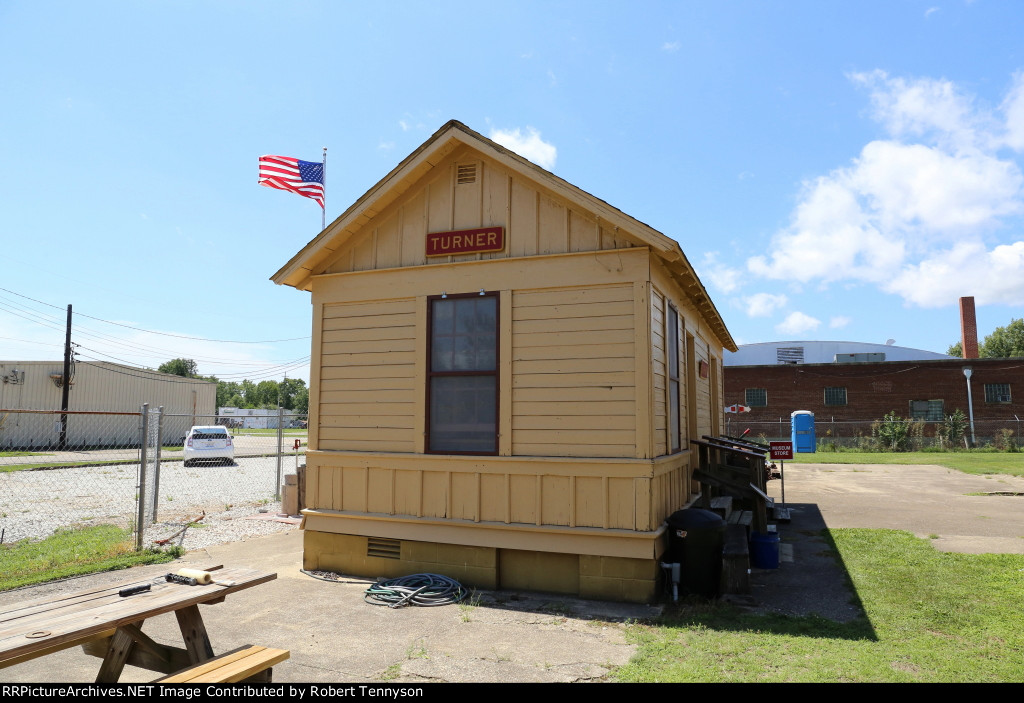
pixel 506 372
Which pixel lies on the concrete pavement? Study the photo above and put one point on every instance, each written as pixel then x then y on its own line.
pixel 334 636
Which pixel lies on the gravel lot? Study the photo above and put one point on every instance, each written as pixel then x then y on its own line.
pixel 35 503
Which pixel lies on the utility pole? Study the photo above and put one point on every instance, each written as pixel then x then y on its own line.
pixel 65 387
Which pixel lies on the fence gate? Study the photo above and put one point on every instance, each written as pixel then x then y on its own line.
pixel 149 470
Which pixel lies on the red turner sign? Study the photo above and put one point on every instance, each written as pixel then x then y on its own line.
pixel 466 241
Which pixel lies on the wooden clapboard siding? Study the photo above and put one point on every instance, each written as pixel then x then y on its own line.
pixel 572 389
pixel 367 396
pixel 536 221
pixel 623 493
pixel 703 390
pixel 701 398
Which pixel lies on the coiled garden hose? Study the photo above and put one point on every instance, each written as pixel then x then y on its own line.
pixel 416 589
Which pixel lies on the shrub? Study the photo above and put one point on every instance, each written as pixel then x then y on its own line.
pixel 953 431
pixel 1004 441
pixel 891 432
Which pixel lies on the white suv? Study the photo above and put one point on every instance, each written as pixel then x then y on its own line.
pixel 210 442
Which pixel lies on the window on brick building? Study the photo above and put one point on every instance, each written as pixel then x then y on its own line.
pixel 997 393
pixel 927 410
pixel 835 395
pixel 756 397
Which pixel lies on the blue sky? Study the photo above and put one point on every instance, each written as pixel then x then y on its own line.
pixel 834 170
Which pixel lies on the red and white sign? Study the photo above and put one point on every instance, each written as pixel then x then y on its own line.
pixel 781 450
pixel 466 241
pixel 737 409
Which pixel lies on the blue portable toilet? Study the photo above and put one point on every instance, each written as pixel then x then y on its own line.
pixel 802 424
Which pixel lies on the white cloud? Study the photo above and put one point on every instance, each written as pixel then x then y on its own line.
pixel 925 108
pixel 404 125
pixel 991 276
pixel 839 321
pixel 1013 109
pixel 529 146
pixel 385 146
pixel 723 277
pixel 830 238
pixel 671 47
pixel 923 214
pixel 797 323
pixel 930 11
pixel 764 304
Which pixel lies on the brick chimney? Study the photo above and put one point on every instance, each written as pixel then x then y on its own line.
pixel 968 328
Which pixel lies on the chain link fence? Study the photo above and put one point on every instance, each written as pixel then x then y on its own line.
pixel 999 435
pixel 79 469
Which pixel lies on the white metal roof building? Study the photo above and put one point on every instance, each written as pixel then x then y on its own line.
pixel 97 387
pixel 822 352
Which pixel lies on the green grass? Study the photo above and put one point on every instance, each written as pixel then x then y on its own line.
pixel 931 617
pixel 8 468
pixel 1011 463
pixel 21 453
pixel 73 552
pixel 239 431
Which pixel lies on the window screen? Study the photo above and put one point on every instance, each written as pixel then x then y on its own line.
pixel 462 405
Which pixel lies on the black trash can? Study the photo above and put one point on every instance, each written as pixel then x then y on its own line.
pixel 695 539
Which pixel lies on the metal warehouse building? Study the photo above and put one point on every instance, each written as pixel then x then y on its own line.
pixel 96 387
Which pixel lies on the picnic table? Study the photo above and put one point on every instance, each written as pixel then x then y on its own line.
pixel 109 625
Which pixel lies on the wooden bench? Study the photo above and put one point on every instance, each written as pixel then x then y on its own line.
pixel 735 561
pixel 250 663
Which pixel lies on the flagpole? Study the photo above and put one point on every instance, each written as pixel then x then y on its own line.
pixel 323 214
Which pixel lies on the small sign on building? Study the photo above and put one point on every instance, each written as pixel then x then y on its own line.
pixel 781 450
pixel 466 241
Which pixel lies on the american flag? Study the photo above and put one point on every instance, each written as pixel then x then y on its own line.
pixel 305 178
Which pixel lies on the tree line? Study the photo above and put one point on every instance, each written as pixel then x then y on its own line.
pixel 290 393
pixel 1003 343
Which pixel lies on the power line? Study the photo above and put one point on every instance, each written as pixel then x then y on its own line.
pixel 150 374
pixel 134 349
pixel 165 334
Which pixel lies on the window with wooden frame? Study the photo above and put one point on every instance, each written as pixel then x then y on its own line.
pixel 462 374
pixel 672 343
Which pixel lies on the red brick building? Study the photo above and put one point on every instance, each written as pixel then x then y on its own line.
pixel 846 396
pixel 925 390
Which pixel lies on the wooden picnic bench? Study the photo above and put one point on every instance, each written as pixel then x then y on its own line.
pixel 250 663
pixel 109 625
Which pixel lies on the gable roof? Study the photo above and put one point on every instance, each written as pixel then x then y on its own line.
pixel 313 257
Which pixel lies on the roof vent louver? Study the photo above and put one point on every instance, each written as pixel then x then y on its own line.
pixel 466 173
pixel 789 355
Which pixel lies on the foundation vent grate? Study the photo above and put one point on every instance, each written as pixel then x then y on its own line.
pixel 383 548
pixel 466 174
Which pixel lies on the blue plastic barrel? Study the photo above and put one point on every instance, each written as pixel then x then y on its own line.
pixel 764 550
